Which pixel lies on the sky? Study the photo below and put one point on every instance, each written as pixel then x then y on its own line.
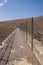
pixel 17 9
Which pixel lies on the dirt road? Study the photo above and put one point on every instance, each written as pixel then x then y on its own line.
pixel 20 52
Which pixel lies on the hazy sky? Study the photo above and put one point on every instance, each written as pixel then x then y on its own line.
pixel 14 9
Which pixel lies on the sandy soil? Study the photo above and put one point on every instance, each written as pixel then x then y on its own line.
pixel 21 53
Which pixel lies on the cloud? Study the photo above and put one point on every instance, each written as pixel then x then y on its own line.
pixel 2 3
pixel 5 1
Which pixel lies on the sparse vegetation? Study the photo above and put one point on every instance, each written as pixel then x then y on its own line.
pixel 7 27
pixel 5 34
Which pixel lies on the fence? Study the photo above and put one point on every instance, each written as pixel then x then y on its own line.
pixel 32 32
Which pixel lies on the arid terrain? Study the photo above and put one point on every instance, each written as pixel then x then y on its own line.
pixel 20 31
pixel 37 22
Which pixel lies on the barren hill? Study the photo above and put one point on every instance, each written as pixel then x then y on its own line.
pixel 37 23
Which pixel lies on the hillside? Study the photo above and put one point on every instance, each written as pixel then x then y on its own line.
pixel 37 24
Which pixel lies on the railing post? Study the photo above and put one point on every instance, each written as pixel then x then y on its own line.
pixel 32 36
pixel 41 39
pixel 0 38
pixel 26 31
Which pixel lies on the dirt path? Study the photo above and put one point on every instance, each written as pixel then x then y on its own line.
pixel 20 52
